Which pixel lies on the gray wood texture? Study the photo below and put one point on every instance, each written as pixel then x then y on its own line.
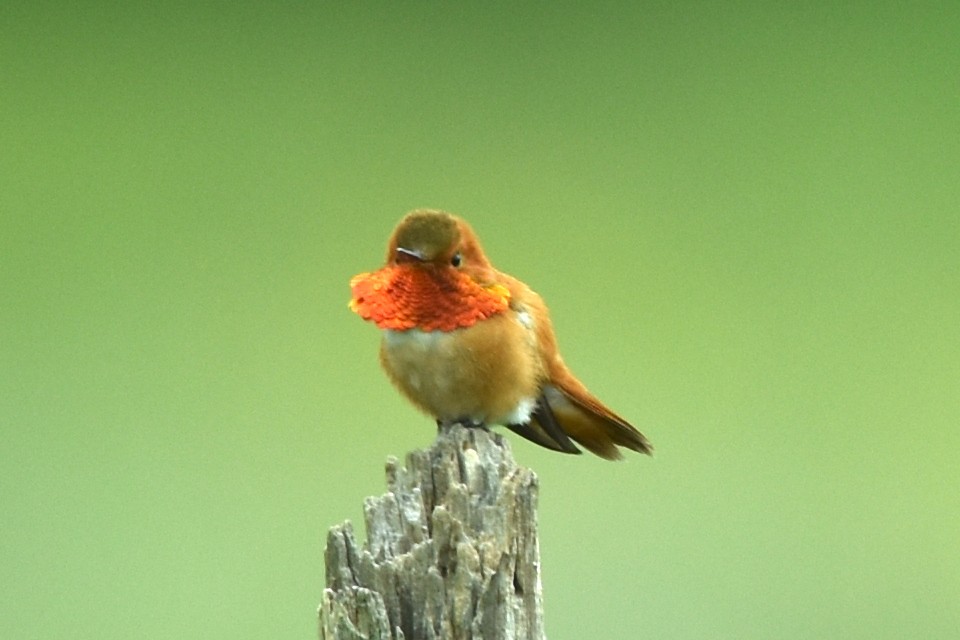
pixel 451 552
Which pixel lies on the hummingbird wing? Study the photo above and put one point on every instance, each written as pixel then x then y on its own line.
pixel 543 429
pixel 566 410
pixel 559 419
pixel 591 424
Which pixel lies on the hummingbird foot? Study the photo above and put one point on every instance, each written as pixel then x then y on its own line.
pixel 464 421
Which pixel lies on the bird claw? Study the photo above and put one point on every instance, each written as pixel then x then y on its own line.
pixel 469 423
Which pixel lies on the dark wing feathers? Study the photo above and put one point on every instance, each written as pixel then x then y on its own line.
pixel 543 429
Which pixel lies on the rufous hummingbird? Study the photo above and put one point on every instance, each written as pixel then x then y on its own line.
pixel 466 343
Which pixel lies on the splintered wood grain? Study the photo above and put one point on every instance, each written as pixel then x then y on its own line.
pixel 451 552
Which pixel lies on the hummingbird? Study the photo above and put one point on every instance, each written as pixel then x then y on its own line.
pixel 468 344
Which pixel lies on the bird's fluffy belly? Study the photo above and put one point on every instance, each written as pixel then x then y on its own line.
pixel 487 372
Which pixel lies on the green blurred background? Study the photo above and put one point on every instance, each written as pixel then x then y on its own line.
pixel 744 216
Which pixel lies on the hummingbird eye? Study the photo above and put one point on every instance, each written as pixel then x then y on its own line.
pixel 456 259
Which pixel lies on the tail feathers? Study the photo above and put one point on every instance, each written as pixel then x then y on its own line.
pixel 560 417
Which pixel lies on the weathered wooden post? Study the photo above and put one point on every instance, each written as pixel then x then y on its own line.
pixel 452 550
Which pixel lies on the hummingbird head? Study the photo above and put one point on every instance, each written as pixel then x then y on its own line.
pixel 437 239
pixel 436 278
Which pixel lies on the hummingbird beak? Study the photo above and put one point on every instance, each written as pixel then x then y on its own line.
pixel 409 255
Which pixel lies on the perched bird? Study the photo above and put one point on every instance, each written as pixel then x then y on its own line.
pixel 466 343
